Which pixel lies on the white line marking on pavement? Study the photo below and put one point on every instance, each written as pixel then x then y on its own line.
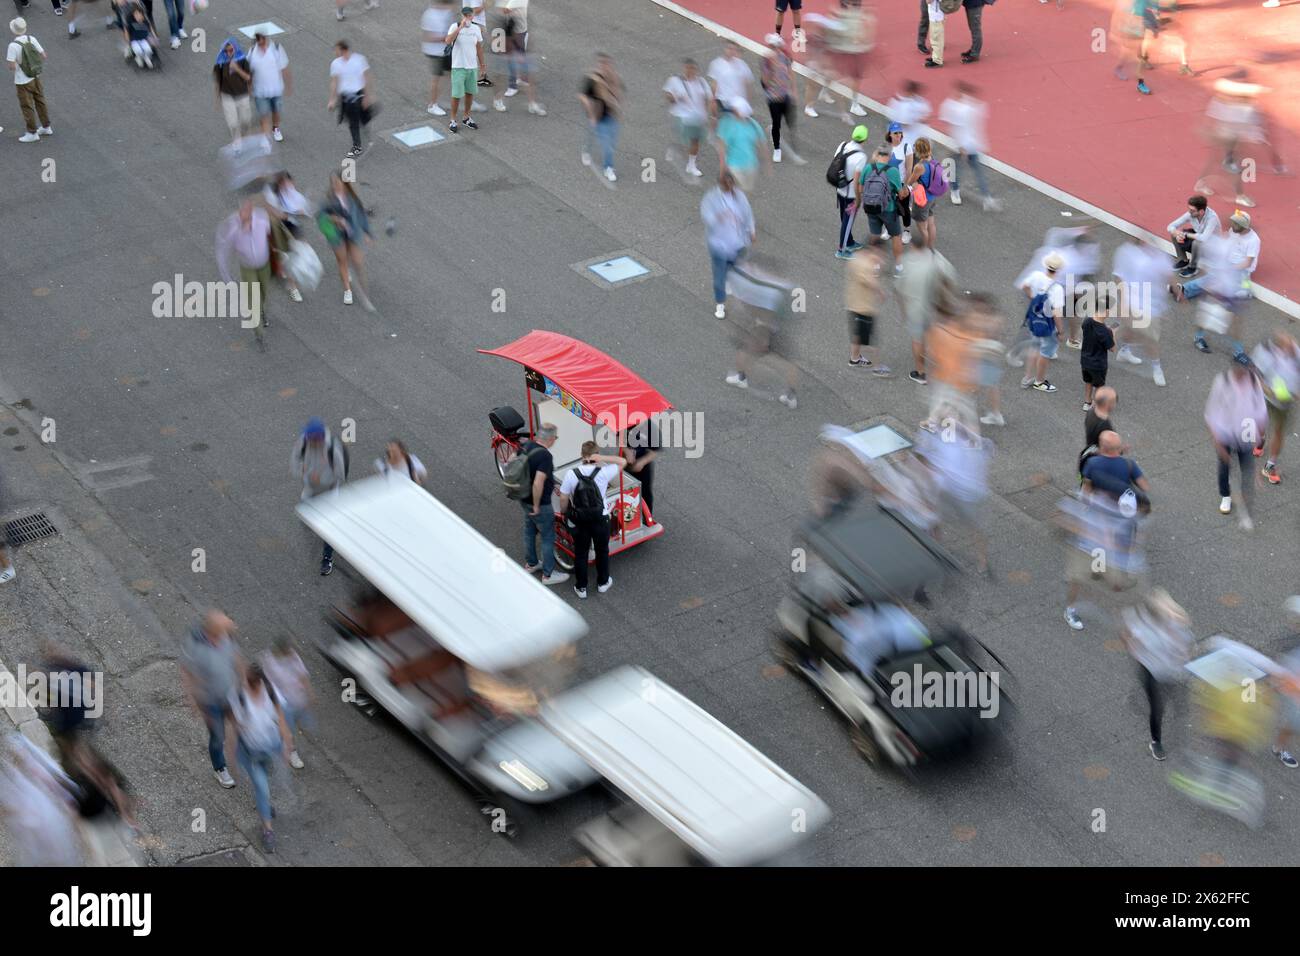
pixel 1267 296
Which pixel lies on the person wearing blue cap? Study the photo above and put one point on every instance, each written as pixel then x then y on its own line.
pixel 321 461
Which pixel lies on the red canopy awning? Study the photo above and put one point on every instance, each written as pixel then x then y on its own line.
pixel 615 394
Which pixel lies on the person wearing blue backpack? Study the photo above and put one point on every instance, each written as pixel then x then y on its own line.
pixel 926 183
pixel 1043 318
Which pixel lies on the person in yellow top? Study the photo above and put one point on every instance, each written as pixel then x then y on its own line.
pixel 950 348
pixel 863 297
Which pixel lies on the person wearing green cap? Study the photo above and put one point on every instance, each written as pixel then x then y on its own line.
pixel 854 158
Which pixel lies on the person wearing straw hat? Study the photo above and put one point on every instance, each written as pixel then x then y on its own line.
pixel 26 59
pixel 1158 635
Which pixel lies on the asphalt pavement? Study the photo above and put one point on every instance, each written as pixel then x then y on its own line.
pixel 174 434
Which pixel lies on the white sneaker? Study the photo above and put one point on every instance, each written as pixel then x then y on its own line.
pixel 856 109
pixel 586 159
pixel 8 574
pixel 824 96
pixel 993 418
pixel 478 107
pixel 1072 619
pixel 884 233
pixel 694 170
pixel 338 14
pixel 176 43
pixel 788 400
pixel 499 105
pixel 609 174
pixel 1126 355
pixel 907 236
pixel 1157 373
pixel 609 583
pixel 738 380
pixel 1225 506
pixel 956 197
pixel 537 109
pixel 776 155
pixel 435 110
pixel 809 111
pixel 1245 523
pixel 224 778
pixel 277 135
pixel 183 35
pixel 30 138
pixel 512 91
pixel 555 577
pixel 45 131
pixel 347 296
pixel 719 311
pixel 295 295
pixel 295 761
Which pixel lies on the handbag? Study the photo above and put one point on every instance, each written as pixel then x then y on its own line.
pixel 303 265
pixel 919 197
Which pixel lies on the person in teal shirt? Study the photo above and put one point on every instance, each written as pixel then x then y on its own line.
pixel 741 143
pixel 878 190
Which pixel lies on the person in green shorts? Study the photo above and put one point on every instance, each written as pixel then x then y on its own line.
pixel 466 42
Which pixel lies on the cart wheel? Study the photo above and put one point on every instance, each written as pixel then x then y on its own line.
pixel 563 561
pixel 787 656
pixel 866 744
pixel 499 820
pixel 502 453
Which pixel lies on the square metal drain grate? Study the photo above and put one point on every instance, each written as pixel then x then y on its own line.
pixel 29 528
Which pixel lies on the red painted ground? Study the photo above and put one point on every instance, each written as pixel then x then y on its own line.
pixel 1058 113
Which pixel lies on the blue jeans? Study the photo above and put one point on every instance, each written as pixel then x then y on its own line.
pixel 981 181
pixel 516 65
pixel 721 266
pixel 542 523
pixel 175 16
pixel 604 133
pixel 216 721
pixel 297 718
pixel 258 764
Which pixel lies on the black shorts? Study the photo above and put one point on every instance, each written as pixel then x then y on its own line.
pixel 860 327
pixel 783 5
pixel 441 65
pixel 1094 376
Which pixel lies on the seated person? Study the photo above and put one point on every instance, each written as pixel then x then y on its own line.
pixel 875 632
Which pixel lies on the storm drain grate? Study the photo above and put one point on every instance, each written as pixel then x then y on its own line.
pixel 1040 502
pixel 29 528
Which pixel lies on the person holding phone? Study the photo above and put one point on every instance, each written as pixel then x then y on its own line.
pixel 465 42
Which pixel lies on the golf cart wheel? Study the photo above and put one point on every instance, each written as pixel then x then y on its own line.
pixel 502 453
pixel 500 821
pixel 787 656
pixel 563 560
pixel 865 744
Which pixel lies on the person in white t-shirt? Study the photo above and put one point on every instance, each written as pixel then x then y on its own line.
pixel 730 77
pixel 398 462
pixel 263 736
pixel 1141 269
pixel 288 677
pixel 350 91
pixel 31 95
pixel 967 118
pixel 435 23
pixel 1229 260
pixel 910 109
pixel 271 82
pixel 519 61
pixel 689 96
pixel 466 42
pixel 936 14
pixel 590 530
pixel 1046 281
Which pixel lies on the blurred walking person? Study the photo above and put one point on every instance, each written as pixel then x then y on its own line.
pixel 1277 363
pixel 291 683
pixel 959 461
pixel 435 23
pixel 765 314
pixel 519 59
pixel 346 227
pixel 740 143
pixel 863 298
pixel 234 86
pixel 211 669
pixel 36 805
pixel 602 97
pixel 290 208
pixel 244 249
pixel 728 233
pixel 1230 261
pixel 777 79
pixel 398 461
pixel 950 354
pixel 320 460
pixel 1236 415
pixel 926 288
pixel 967 118
pixel 263 739
pixel 1157 633
pixel 1141 270
pixel 730 77
pixel 689 99
pixel 989 352
pixel 850 37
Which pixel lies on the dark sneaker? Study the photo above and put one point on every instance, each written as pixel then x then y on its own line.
pixel 1188 271
pixel 967 58
pixel 452 127
pixel 268 841
pixel 931 65
pixel 1203 346
pixel 917 377
pixel 923 48
pixel 484 81
pixel 1286 758
pixel 1241 358
pixel 468 121
pixel 1270 472
pixel 859 363
pixel 1157 749
pixel 326 567
pixel 1044 386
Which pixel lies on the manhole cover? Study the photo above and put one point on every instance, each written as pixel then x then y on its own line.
pixel 29 528
pixel 1039 501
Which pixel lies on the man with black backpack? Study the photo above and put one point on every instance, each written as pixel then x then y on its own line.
pixel 843 173
pixel 26 62
pixel 321 461
pixel 582 495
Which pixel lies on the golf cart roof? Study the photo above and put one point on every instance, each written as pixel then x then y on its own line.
pixel 477 602
pixel 729 803
pixel 588 374
pixel 878 552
